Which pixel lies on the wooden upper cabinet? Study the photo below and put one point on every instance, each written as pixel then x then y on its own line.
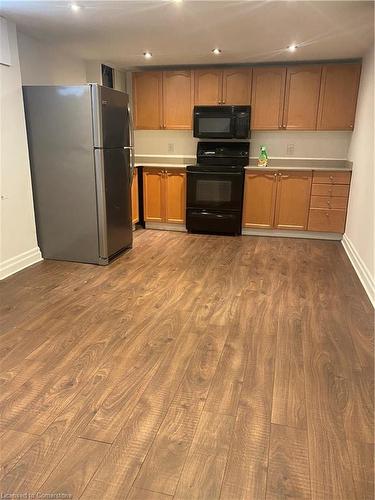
pixel 259 199
pixel 293 200
pixel 267 99
pixel 338 96
pixel 153 190
pixel 175 187
pixel 208 86
pixel 177 99
pixel 147 98
pixel 237 86
pixel 302 97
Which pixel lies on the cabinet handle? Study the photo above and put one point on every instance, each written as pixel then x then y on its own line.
pixel 327 215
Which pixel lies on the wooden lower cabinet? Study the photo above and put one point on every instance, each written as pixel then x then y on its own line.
pixel 175 203
pixel 327 220
pixel 329 201
pixel 164 195
pixel 277 200
pixel 153 194
pixel 330 190
pixel 292 200
pixel 135 197
pixel 259 200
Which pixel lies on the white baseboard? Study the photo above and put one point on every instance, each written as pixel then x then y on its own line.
pixel 15 264
pixel 165 226
pixel 360 268
pixel 285 233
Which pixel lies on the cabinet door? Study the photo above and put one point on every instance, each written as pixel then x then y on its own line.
pixel 292 200
pixel 302 97
pixel 147 98
pixel 177 99
pixel 237 86
pixel 338 96
pixel 259 199
pixel 153 192
pixel 327 221
pixel 267 99
pixel 208 86
pixel 175 189
pixel 135 198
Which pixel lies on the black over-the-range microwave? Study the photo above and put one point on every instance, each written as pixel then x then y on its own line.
pixel 222 122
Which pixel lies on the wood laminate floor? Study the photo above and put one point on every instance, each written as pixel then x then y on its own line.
pixel 193 367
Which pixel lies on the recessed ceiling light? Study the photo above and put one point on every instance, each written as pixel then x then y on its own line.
pixel 292 48
pixel 75 7
pixel 216 51
pixel 147 54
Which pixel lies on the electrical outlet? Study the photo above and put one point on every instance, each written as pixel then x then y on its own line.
pixel 170 147
pixel 290 149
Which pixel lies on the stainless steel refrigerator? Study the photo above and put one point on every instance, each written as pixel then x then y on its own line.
pixel 81 154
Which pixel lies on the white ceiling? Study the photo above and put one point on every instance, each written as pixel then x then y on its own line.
pixel 118 32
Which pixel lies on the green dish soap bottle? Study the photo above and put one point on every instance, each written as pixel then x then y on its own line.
pixel 263 157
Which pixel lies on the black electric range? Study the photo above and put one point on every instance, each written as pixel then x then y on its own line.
pixel 215 187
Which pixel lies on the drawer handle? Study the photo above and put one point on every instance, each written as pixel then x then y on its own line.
pixel 327 215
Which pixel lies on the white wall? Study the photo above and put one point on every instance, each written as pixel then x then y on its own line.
pixel 42 64
pixel 306 144
pixel 359 237
pixel 18 247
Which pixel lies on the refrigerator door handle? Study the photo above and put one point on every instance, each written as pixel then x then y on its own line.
pixel 101 205
pixel 132 155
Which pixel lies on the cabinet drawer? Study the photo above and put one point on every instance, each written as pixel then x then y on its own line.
pixel 331 177
pixel 328 202
pixel 331 221
pixel 330 190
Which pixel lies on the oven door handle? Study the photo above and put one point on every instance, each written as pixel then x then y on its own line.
pixel 210 214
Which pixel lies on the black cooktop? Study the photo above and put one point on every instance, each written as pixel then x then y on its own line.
pixel 214 167
pixel 230 154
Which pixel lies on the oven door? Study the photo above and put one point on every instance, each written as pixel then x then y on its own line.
pixel 214 123
pixel 215 190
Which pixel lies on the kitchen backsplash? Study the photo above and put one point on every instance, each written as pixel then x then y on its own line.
pixel 279 144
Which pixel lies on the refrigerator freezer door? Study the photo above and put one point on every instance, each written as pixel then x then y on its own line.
pixel 110 117
pixel 114 200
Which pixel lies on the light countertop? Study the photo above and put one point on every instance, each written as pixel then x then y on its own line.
pixel 162 165
pixel 322 168
pixel 253 167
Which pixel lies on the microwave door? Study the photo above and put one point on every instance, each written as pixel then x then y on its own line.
pixel 214 126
